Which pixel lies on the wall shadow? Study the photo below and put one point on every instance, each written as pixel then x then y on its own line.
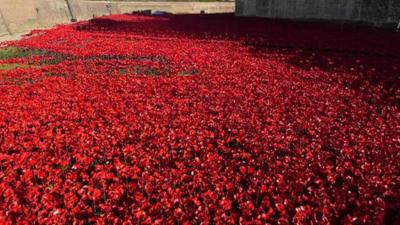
pixel 371 55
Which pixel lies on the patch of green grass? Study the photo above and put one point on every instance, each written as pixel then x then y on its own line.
pixel 55 58
pixel 54 74
pixel 16 81
pixel 50 58
pixel 152 72
pixel 147 71
pixel 9 52
pixel 17 52
pixel 188 73
pixel 122 71
pixel 51 187
pixel 11 66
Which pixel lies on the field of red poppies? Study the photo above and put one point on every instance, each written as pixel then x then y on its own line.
pixel 200 119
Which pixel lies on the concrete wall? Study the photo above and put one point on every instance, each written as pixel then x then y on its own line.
pixel 3 27
pixel 19 16
pixel 378 12
pixel 86 9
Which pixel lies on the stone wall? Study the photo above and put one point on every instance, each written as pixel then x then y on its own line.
pixel 86 9
pixel 19 16
pixel 3 26
pixel 377 12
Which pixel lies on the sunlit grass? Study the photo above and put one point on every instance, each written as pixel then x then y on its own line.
pixel 11 66
pixel 17 52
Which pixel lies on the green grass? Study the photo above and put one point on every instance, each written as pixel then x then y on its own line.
pixel 16 81
pixel 49 58
pixel 55 74
pixel 122 71
pixel 9 52
pixel 11 66
pixel 16 52
pixel 189 72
